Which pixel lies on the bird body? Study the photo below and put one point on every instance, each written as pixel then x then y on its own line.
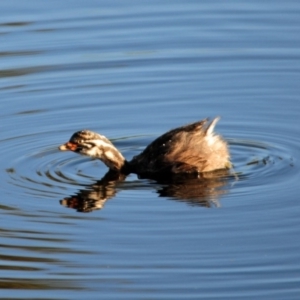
pixel 193 148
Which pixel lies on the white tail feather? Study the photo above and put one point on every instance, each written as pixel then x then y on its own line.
pixel 211 126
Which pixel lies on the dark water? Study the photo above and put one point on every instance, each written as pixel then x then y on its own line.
pixel 131 71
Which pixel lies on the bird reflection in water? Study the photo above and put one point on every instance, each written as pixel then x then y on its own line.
pixel 204 191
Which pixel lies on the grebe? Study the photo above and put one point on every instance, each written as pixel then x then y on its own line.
pixel 191 149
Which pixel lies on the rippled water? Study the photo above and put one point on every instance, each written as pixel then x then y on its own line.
pixel 131 71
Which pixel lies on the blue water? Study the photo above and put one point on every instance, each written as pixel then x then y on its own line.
pixel 132 71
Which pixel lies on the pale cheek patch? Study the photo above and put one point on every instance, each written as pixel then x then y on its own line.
pixel 94 152
pixel 97 151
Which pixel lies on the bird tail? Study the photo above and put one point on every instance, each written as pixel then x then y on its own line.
pixel 210 128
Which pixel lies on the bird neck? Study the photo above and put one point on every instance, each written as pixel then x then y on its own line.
pixel 113 159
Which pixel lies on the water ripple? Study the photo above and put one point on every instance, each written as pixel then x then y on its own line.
pixel 254 159
pixel 42 170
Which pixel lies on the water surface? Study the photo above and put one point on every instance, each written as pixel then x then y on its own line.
pixel 132 71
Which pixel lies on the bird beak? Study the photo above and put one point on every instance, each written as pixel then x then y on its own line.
pixel 68 147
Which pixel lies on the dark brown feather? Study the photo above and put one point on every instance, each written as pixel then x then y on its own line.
pixel 182 150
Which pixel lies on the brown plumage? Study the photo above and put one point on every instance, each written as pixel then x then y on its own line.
pixel 192 148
